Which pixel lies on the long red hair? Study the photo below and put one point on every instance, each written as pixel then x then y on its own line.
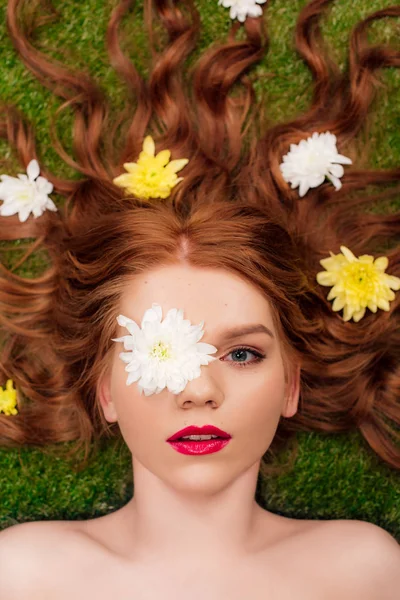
pixel 232 211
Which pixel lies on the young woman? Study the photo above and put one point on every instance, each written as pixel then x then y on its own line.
pixel 200 301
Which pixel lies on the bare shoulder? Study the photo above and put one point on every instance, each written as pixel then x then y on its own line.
pixel 365 558
pixel 24 549
pixel 36 535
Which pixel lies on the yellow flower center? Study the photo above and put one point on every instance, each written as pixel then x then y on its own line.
pixel 362 277
pixel 161 351
pixel 25 196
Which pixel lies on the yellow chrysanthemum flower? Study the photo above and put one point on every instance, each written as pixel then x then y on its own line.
pixel 357 283
pixel 8 399
pixel 152 176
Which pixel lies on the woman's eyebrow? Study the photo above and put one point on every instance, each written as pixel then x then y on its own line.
pixel 243 330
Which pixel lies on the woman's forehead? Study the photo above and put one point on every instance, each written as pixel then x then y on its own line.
pixel 215 296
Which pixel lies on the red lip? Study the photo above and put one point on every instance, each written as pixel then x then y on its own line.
pixel 205 430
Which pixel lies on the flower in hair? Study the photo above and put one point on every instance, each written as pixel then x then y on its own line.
pixel 357 283
pixel 8 399
pixel 309 162
pixel 163 353
pixel 152 176
pixel 240 9
pixel 26 194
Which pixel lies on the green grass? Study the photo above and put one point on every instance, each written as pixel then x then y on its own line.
pixel 334 476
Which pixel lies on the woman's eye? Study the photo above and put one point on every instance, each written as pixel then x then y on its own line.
pixel 240 356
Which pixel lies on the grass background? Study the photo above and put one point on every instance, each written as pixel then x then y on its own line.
pixel 334 477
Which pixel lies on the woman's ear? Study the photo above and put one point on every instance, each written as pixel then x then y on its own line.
pixel 292 394
pixel 104 395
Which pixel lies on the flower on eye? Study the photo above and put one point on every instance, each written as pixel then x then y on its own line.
pixel 8 399
pixel 152 176
pixel 26 194
pixel 357 283
pixel 309 162
pixel 163 353
pixel 241 9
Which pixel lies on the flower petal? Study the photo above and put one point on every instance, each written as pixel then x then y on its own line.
pixel 344 160
pixel 163 157
pixel 24 214
pixel 336 170
pixel 6 210
pixel 37 211
pixel 177 165
pixel 338 303
pixel 336 182
pixel 304 187
pixel 393 282
pixel 206 348
pixel 33 170
pixel 381 263
pixel 348 254
pixel 149 146
pixel 357 316
pixel 123 180
pixel 51 206
pixel 383 304
pixel 348 312
pixel 326 278
pixel 131 167
pixel 43 185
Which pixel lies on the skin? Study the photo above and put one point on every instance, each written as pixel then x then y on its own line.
pixel 206 501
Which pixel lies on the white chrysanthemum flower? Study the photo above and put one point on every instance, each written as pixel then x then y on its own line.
pixel 241 9
pixel 26 194
pixel 309 162
pixel 163 353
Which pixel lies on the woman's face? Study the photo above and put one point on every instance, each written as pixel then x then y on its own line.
pixel 243 397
